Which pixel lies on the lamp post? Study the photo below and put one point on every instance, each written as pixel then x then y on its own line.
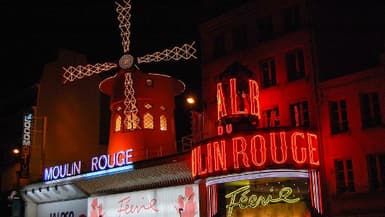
pixel 190 100
pixel 196 116
pixel 16 151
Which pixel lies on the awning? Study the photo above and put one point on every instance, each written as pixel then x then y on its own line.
pixel 158 174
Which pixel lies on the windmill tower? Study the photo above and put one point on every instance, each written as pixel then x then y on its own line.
pixel 142 104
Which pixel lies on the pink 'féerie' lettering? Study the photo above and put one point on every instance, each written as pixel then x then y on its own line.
pixel 127 208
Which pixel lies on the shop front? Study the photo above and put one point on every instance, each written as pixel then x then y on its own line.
pixel 260 173
pixel 161 187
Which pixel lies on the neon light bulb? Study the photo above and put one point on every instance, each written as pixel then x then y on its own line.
pixel 115 170
pixel 320 194
pixel 261 150
pixel 259 174
pixel 201 171
pixel 233 96
pixel 221 106
pixel 283 148
pixel 294 148
pixel 194 165
pixel 229 128
pixel 220 155
pixel 219 130
pixel 254 98
pixel 209 158
pixel 313 148
pixel 241 152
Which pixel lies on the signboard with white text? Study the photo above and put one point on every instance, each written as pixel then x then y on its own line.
pixel 175 201
pixel 72 208
pixel 26 147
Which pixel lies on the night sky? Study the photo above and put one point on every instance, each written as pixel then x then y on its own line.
pixel 33 31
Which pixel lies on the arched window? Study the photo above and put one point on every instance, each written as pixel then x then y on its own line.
pixel 148 121
pixel 118 123
pixel 132 121
pixel 163 123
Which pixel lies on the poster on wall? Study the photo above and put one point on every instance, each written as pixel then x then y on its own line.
pixel 178 201
pixel 71 208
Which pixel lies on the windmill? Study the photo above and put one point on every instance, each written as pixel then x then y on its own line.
pixel 127 61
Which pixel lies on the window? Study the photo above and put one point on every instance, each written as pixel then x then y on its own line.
pixel 148 106
pixel 344 176
pixel 271 117
pixel 338 116
pixel 163 123
pixel 264 29
pixel 299 114
pixel 295 65
pixel 268 72
pixel 132 121
pixel 239 38
pixel 149 83
pixel 118 123
pixel 370 110
pixel 219 46
pixel 291 19
pixel 148 121
pixel 376 171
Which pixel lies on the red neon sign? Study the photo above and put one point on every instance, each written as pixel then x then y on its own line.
pixel 255 151
pixel 242 102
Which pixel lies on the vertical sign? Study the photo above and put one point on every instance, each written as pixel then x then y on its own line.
pixel 26 147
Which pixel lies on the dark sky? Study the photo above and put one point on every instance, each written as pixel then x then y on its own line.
pixel 33 31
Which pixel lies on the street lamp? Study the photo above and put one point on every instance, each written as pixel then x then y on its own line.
pixel 16 151
pixel 190 100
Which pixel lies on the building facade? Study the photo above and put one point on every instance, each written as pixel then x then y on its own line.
pixel 279 135
pixel 352 120
pixel 297 52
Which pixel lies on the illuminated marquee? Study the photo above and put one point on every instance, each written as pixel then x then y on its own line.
pixel 240 149
pixel 62 171
pixel 99 163
pixel 255 151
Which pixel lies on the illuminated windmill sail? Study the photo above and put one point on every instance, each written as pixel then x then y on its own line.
pixel 126 61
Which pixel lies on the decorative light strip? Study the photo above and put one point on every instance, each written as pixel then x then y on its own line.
pixel 72 73
pixel 186 51
pixel 109 171
pixel 213 197
pixel 278 173
pixel 319 193
pixel 71 178
pixel 311 190
pixel 124 23
pixel 131 119
pixel 315 190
